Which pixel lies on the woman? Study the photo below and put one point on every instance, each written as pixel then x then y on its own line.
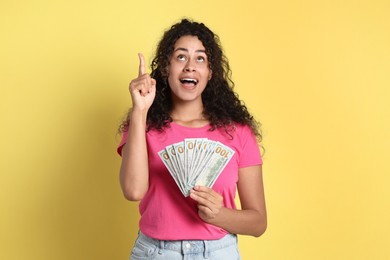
pixel 189 94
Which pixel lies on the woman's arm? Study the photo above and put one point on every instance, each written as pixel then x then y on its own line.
pixel 134 171
pixel 251 219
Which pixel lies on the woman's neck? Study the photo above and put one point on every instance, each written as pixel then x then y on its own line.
pixel 189 115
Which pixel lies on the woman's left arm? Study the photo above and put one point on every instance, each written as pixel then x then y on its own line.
pixel 251 219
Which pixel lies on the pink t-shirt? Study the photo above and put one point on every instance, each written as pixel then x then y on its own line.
pixel 166 214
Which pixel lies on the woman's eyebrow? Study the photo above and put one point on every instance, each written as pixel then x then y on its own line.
pixel 186 50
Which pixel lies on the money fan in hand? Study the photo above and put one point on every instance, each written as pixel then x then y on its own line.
pixel 195 161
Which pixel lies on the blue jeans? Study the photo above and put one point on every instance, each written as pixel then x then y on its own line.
pixel 225 248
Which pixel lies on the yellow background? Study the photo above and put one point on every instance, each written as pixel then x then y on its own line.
pixel 315 73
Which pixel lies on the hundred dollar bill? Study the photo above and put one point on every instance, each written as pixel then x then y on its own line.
pixel 164 155
pixel 180 158
pixel 201 151
pixel 189 145
pixel 215 165
pixel 176 165
pixel 195 161
pixel 207 151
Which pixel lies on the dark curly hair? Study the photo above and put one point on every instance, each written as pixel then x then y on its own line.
pixel 222 107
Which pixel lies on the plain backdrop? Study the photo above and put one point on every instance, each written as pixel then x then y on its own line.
pixel 314 73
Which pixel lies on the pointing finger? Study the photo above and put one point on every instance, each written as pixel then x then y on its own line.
pixel 141 70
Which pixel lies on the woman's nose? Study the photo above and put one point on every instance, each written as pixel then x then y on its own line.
pixel 190 66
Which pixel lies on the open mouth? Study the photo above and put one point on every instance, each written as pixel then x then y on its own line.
pixel 189 81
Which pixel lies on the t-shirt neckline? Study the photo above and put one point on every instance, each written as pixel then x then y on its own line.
pixel 206 126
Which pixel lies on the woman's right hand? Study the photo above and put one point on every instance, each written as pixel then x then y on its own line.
pixel 142 88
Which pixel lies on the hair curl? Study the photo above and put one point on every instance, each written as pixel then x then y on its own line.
pixel 222 106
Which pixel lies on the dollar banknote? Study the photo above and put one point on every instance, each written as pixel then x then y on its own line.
pixel 195 161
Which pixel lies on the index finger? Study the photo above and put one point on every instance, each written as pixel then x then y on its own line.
pixel 141 70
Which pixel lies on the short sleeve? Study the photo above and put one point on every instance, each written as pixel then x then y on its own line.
pixel 122 143
pixel 250 152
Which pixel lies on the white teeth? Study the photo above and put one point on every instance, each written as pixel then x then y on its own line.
pixel 188 80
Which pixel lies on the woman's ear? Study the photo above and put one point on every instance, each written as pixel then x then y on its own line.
pixel 211 74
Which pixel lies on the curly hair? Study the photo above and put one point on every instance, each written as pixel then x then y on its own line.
pixel 221 105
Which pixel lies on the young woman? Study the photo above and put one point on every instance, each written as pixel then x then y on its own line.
pixel 189 94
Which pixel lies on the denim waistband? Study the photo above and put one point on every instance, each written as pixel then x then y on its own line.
pixel 191 246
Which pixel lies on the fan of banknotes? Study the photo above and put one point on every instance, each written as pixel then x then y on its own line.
pixel 195 161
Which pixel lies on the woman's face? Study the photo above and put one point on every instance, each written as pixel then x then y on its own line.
pixel 188 70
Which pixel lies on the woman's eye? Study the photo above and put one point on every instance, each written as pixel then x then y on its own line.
pixel 181 57
pixel 201 59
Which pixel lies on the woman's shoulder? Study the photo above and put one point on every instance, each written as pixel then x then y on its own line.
pixel 242 129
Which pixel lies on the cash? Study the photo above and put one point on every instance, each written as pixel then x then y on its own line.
pixel 195 161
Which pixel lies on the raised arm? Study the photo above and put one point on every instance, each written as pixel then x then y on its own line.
pixel 134 172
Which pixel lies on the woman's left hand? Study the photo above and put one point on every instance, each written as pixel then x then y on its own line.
pixel 210 203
